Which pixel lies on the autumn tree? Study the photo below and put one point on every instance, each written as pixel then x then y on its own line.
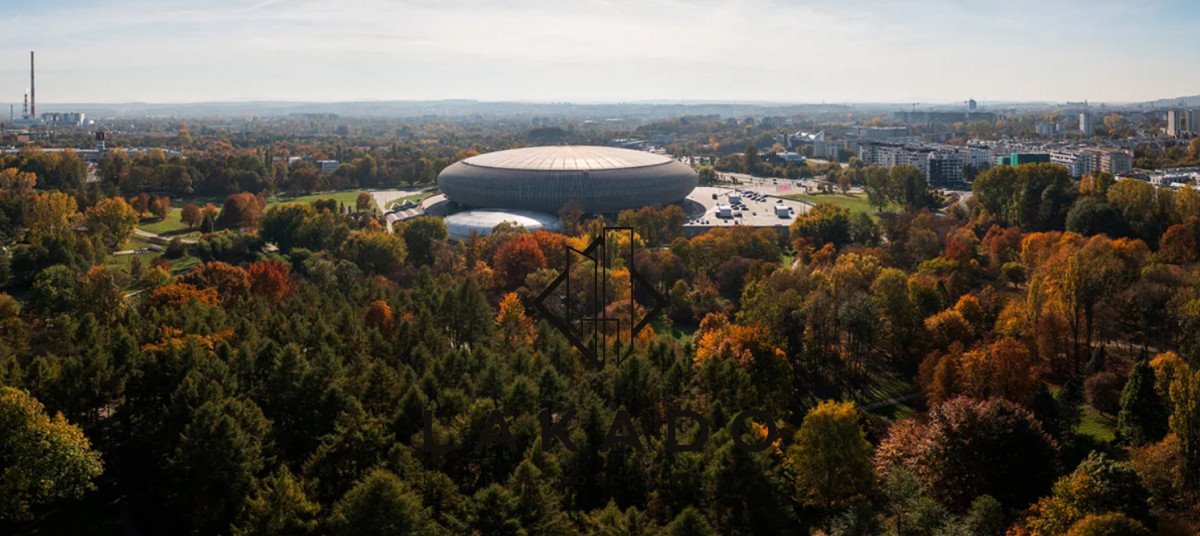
pixel 379 315
pixel 191 215
pixel 231 282
pixel 516 258
pixel 270 279
pixel 50 212
pixel 1004 369
pixel 111 220
pixel 1098 485
pixel 1110 524
pixel 178 295
pixel 969 448
pixel 831 457
pixel 512 323
pixel 160 206
pixel 42 458
pixel 239 211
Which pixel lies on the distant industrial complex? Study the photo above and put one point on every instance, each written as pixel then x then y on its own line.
pixel 29 116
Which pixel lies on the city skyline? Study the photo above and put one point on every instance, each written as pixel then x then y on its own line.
pixel 931 51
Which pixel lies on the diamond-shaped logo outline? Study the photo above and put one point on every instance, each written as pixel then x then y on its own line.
pixel 596 251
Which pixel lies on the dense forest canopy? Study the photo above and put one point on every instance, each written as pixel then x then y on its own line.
pixel 1023 362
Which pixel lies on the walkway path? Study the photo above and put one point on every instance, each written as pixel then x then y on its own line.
pixel 157 237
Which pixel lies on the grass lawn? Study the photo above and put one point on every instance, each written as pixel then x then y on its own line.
pixel 1097 425
pixel 855 203
pixel 171 226
pixel 178 266
pixel 349 197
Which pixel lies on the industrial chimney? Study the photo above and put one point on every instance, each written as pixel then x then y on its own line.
pixel 32 90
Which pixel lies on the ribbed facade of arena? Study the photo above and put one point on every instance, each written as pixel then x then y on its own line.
pixel 544 179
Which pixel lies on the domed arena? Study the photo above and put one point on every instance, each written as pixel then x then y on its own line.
pixel 463 224
pixel 599 179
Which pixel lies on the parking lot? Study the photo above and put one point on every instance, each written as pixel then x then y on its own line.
pixel 745 207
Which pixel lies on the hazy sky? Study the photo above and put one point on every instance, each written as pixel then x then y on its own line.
pixel 600 50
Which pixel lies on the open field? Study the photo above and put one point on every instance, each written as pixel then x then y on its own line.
pixel 855 203
pixel 171 226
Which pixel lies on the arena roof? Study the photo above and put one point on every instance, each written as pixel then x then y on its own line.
pixel 462 224
pixel 567 158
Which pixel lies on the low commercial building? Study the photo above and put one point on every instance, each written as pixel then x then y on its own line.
pixel 1016 159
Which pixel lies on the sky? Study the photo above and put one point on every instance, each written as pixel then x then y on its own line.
pixel 833 51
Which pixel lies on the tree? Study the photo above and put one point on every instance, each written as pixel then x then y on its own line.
pixel 1111 524
pixel 216 462
pixel 42 458
pixel 375 252
pixel 823 224
pixel 1185 422
pixel 516 258
pixel 832 457
pixel 208 223
pixel 1004 369
pixel 380 505
pixel 1143 417
pixel 239 211
pixel 910 183
pixel 969 448
pixel 537 504
pixel 111 220
pixel 1098 485
pixel 278 507
pixel 379 315
pixel 1102 391
pixel 423 235
pixel 1180 243
pixel 364 202
pixel 191 215
pixel 750 159
pixel 1090 216
pixel 160 206
pixel 270 279
pixel 50 212
pixel 231 282
pixel 689 522
pixel 512 323
pixel 55 291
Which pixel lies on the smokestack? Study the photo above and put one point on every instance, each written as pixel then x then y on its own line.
pixel 32 90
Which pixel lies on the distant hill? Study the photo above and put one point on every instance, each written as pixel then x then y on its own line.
pixel 442 108
pixel 1193 100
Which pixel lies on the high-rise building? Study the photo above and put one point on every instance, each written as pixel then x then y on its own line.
pixel 1174 122
pixel 1085 123
pixel 1193 121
